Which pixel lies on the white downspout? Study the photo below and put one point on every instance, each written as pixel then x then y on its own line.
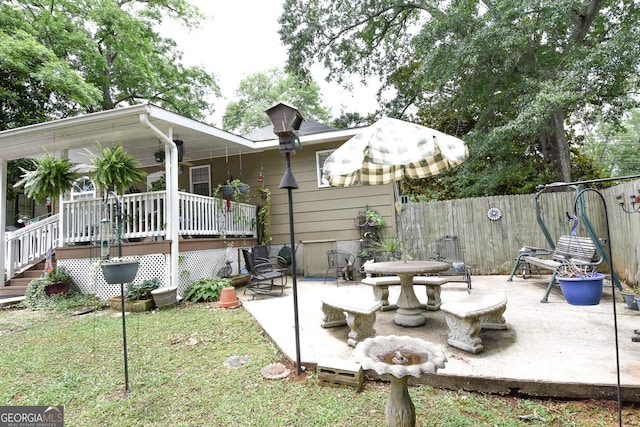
pixel 173 217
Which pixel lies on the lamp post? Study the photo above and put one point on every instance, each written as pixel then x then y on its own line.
pixel 286 122
pixel 634 203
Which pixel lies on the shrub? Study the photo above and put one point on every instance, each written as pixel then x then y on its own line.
pixel 142 290
pixel 37 299
pixel 58 274
pixel 207 289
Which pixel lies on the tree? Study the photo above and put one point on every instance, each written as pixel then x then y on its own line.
pixel 506 76
pixel 64 57
pixel 35 84
pixel 257 92
pixel 615 145
pixel 352 119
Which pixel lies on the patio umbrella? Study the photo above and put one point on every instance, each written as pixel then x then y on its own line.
pixel 390 150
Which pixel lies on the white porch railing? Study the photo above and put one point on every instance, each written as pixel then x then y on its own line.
pixel 30 244
pixel 145 215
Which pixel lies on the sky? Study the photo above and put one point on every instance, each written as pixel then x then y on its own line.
pixel 240 38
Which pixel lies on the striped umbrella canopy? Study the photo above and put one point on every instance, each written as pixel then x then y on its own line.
pixel 390 150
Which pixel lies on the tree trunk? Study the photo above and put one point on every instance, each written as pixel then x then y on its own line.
pixel 555 148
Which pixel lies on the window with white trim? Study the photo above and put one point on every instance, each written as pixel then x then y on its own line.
pixel 321 156
pixel 200 178
pixel 83 188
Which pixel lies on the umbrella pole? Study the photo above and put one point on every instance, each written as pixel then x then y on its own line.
pixel 398 206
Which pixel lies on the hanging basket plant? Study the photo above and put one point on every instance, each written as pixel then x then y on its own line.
pixel 115 169
pixel 227 191
pixel 243 188
pixel 52 177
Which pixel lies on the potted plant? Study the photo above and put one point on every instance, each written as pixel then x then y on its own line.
pixel 138 296
pixel 51 178
pixel 231 190
pixel 384 248
pixel 207 289
pixel 631 296
pixel 374 219
pixel 115 169
pixel 118 270
pixel 580 285
pixel 59 281
pixel 225 191
pixel 240 186
pixel 263 220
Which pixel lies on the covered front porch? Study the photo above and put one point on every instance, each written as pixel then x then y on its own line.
pixel 170 215
pixel 142 217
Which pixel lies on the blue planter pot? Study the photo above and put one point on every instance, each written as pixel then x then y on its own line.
pixel 582 290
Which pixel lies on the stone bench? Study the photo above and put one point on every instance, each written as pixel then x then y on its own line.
pixel 381 289
pixel 467 317
pixel 360 316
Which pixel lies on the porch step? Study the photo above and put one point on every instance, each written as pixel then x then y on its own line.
pixel 17 286
pixel 13 290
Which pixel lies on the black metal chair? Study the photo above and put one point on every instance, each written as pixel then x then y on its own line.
pixel 341 263
pixel 267 278
pixel 448 250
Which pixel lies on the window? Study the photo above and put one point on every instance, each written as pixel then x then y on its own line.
pixel 152 178
pixel 200 180
pixel 321 156
pixel 83 188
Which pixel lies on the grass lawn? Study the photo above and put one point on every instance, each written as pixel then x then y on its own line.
pixel 178 377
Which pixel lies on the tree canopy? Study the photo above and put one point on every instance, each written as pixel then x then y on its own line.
pixel 615 145
pixel 59 58
pixel 257 92
pixel 508 77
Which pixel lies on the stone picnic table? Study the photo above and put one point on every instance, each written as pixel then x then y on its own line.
pixel 409 312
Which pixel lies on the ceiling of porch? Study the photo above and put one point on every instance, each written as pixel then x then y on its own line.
pixel 123 125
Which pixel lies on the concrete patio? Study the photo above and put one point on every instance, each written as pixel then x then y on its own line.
pixel 553 349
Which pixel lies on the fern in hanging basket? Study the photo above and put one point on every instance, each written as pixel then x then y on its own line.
pixel 115 169
pixel 52 177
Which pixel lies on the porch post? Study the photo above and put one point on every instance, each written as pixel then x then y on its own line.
pixel 173 212
pixel 3 216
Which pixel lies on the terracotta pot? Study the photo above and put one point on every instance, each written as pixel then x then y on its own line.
pixel 228 298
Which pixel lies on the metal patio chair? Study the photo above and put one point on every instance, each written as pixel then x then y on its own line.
pixel 342 263
pixel 448 250
pixel 267 278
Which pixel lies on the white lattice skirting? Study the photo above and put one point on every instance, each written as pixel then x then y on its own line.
pixel 192 266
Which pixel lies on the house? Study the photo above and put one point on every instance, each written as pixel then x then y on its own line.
pixel 184 233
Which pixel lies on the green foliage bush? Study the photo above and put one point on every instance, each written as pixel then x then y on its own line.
pixel 37 299
pixel 142 290
pixel 207 289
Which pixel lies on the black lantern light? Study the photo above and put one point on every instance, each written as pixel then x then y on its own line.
pixel 180 144
pixel 159 156
pixel 286 123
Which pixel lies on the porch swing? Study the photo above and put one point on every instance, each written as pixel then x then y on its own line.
pixel 587 251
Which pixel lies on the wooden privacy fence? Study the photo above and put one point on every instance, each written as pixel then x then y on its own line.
pixel 491 246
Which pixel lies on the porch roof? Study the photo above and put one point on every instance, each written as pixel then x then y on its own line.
pixel 124 125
